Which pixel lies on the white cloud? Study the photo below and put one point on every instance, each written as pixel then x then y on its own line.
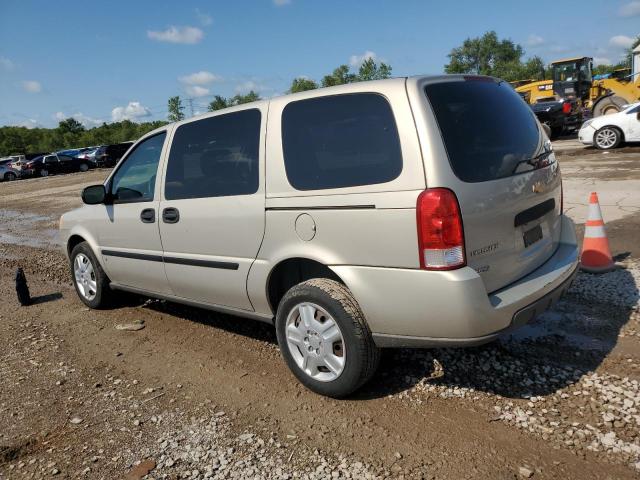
pixel 602 61
pixel 281 3
pixel 204 18
pixel 173 34
pixel 631 9
pixel 534 40
pixel 85 120
pixel 6 64
pixel 28 123
pixel 199 78
pixel 246 87
pixel 31 86
pixel 196 91
pixel 133 111
pixel 621 41
pixel 357 60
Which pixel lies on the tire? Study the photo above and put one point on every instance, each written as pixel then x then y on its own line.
pixel 556 132
pixel 10 177
pixel 44 173
pixel 607 138
pixel 83 167
pixel 99 293
pixel 353 353
pixel 608 105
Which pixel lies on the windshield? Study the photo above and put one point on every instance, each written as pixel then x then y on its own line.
pixel 488 130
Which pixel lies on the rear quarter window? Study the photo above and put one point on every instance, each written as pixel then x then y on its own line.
pixel 340 141
pixel 488 130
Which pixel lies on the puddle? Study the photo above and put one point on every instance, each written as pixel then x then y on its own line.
pixel 27 229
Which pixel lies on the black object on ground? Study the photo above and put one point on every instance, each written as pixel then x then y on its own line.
pixel 22 289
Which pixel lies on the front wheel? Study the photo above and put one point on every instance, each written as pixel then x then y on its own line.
pixel 90 281
pixel 84 167
pixel 607 138
pixel 44 172
pixel 324 338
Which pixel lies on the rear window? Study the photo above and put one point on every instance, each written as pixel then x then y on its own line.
pixel 488 130
pixel 340 141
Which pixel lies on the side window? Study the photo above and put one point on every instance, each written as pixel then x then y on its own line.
pixel 340 141
pixel 215 157
pixel 135 180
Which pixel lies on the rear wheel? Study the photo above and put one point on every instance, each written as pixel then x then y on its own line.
pixel 324 339
pixel 84 167
pixel 607 138
pixel 10 176
pixel 90 281
pixel 609 105
pixel 44 172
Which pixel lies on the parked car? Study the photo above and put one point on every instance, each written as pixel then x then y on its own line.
pixel 7 173
pixel 88 154
pixel 72 152
pixel 609 131
pixel 408 212
pixel 108 155
pixel 562 116
pixel 53 163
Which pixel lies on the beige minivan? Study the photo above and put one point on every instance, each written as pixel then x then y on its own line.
pixel 409 212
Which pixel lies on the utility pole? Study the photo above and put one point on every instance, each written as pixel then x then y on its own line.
pixel 191 105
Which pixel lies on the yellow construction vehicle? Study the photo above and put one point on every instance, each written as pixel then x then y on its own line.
pixel 572 79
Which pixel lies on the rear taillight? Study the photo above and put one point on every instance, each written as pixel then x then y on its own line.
pixel 566 108
pixel 440 234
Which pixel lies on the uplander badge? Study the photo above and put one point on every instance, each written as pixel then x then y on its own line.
pixel 485 249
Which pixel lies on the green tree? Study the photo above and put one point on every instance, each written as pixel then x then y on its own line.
pixel 302 84
pixel 176 110
pixel 339 76
pixel 488 55
pixel 218 103
pixel 370 70
pixel 70 125
pixel 246 98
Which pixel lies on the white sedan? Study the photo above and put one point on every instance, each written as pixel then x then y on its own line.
pixel 608 131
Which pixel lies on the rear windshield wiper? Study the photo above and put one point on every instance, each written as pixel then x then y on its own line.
pixel 533 161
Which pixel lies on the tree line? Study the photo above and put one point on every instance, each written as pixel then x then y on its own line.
pixel 484 55
pixel 368 70
pixel 70 134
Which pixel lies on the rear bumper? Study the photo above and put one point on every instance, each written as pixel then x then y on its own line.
pixel 417 308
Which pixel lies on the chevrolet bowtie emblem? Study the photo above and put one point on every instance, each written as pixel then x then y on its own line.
pixel 538 187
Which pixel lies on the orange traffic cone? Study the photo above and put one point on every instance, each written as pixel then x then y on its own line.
pixel 596 255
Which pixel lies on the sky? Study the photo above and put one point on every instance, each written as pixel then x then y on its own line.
pixel 103 61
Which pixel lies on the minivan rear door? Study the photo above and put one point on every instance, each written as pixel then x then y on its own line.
pixel 501 167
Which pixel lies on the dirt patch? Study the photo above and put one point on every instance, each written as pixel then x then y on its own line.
pixel 204 395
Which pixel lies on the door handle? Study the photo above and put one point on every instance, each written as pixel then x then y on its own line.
pixel 148 215
pixel 170 215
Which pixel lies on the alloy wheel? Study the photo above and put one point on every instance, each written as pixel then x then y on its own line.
pixel 606 138
pixel 85 276
pixel 315 342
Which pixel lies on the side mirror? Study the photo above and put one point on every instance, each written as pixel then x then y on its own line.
pixel 94 194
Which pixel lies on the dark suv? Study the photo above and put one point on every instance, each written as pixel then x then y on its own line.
pixel 108 155
pixel 51 164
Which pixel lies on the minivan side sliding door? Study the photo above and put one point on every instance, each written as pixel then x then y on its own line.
pixel 212 206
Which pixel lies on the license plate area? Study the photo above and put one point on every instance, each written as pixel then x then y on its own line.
pixel 532 236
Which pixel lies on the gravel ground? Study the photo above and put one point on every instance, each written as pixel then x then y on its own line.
pixel 191 394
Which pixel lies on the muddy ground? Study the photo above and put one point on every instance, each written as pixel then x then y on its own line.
pixel 202 395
